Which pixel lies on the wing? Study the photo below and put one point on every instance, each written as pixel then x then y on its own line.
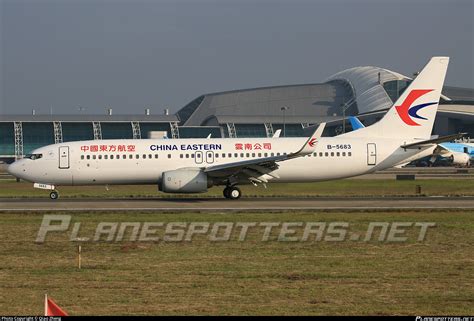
pixel 254 169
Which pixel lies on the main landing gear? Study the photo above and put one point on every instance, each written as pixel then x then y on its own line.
pixel 232 192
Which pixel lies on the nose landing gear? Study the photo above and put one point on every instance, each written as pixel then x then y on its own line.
pixel 54 195
pixel 232 192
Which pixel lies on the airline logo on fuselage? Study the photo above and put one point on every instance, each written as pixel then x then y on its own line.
pixel 406 111
pixel 184 147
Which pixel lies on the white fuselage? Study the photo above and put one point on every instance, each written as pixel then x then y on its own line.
pixel 144 161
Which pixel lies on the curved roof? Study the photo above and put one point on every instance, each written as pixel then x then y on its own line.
pixel 308 102
pixel 368 87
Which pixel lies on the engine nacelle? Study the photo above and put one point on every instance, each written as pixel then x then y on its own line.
pixel 185 181
pixel 460 159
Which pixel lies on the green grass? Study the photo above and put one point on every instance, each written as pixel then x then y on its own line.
pixel 348 187
pixel 251 277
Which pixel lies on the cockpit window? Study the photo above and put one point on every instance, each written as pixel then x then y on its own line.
pixel 34 156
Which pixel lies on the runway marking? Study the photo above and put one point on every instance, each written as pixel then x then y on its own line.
pixel 246 204
pixel 235 209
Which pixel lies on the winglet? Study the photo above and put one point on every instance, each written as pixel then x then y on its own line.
pixel 310 145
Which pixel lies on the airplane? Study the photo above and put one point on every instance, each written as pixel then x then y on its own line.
pixel 461 154
pixel 194 165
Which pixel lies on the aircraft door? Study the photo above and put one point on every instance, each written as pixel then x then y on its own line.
pixel 198 158
pixel 371 154
pixel 210 157
pixel 64 157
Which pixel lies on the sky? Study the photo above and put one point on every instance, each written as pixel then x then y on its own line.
pixel 84 56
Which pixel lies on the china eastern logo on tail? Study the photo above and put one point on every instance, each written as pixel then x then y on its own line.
pixel 407 112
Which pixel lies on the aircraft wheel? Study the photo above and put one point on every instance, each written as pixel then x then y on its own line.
pixel 234 193
pixel 54 195
pixel 226 192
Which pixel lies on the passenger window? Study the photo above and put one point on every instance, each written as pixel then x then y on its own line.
pixel 181 156
pixel 242 155
pixel 236 155
pixel 100 156
pixel 169 155
pixel 223 155
pixel 187 155
pixel 253 154
pixel 326 154
pixel 192 155
pixel 247 154
pixel 343 153
pixel 82 156
pixel 111 156
pixel 229 155
pixel 332 154
pixel 156 155
pixel 94 157
pixel 106 156
pixel 315 154
pixel 338 154
pixel 266 154
pixel 349 154
pixel 137 156
pixel 149 156
pixel 144 156
pixel 259 154
pixel 124 156
pixel 320 154
pixel 217 155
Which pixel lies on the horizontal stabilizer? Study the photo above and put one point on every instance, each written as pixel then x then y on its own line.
pixel 438 140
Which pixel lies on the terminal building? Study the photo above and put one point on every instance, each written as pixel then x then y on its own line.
pixel 365 92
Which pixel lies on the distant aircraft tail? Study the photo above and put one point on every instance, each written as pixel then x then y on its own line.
pixel 355 123
pixel 412 115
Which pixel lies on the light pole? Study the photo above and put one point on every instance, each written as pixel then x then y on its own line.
pixel 284 109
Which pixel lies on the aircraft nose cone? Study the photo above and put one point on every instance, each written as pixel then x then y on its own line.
pixel 14 169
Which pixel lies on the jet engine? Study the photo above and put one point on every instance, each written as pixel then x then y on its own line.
pixel 460 159
pixel 185 181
